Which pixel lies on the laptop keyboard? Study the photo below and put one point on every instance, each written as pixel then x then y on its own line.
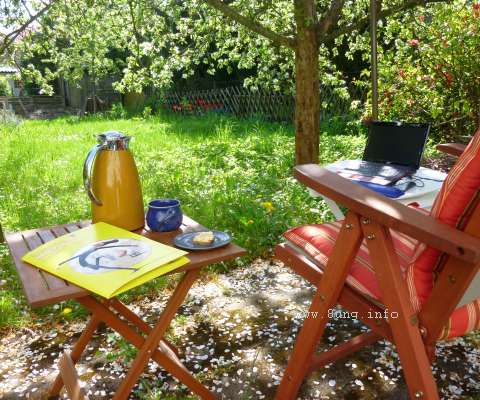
pixel 371 169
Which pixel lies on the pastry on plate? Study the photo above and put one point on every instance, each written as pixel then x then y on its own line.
pixel 204 238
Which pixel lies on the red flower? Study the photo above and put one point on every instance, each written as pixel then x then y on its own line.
pixel 449 78
pixel 414 42
pixel 476 6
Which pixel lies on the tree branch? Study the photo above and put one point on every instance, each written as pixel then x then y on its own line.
pixel 232 13
pixel 331 17
pixel 136 33
pixel 10 37
pixel 363 23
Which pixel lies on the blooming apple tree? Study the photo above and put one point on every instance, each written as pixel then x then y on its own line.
pixel 146 42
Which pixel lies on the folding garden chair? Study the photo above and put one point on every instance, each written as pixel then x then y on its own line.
pixel 419 268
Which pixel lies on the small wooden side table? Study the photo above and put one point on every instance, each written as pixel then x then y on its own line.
pixel 43 289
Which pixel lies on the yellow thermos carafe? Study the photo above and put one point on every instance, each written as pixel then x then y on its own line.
pixel 112 183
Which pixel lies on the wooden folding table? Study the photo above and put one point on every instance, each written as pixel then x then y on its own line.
pixel 43 289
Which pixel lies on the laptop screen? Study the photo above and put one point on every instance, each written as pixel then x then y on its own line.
pixel 396 143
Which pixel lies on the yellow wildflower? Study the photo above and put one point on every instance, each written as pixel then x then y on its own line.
pixel 268 206
pixel 66 311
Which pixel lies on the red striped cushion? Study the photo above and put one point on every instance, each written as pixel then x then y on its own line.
pixel 454 205
pixel 317 241
pixel 462 321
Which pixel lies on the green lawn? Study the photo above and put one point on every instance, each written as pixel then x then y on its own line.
pixel 232 175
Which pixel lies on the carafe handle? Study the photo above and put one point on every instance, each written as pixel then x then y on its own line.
pixel 88 170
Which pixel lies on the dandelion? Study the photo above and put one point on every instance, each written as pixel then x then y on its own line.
pixel 66 311
pixel 268 206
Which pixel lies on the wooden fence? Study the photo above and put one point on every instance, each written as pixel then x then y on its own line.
pixel 29 105
pixel 243 102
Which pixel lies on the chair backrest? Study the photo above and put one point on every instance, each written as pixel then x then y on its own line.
pixel 454 205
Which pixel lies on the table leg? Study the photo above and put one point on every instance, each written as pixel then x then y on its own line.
pixel 70 378
pixel 77 351
pixel 152 347
pixel 123 310
pixel 153 339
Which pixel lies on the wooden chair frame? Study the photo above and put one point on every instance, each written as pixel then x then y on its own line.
pixel 454 149
pixel 370 217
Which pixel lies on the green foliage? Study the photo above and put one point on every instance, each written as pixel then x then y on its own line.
pixel 231 175
pixel 430 71
pixel 8 117
pixel 147 112
pixel 5 89
pixel 427 57
pixel 12 304
pixel 155 101
pixel 125 351
pixel 149 43
pixel 117 112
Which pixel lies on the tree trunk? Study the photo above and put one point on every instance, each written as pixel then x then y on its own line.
pixel 307 98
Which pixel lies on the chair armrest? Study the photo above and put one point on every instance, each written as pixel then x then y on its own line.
pixel 454 149
pixel 390 213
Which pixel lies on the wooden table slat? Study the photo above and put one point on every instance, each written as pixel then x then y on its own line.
pixel 46 235
pixel 58 230
pixel 71 228
pixel 56 283
pixel 34 240
pixel 34 285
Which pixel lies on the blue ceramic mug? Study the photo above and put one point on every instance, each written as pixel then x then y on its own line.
pixel 164 215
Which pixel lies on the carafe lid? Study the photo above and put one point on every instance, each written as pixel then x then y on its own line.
pixel 113 140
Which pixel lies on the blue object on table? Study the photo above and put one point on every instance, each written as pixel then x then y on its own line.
pixel 185 241
pixel 164 215
pixel 388 191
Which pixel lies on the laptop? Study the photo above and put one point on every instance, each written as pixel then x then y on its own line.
pixel 393 150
